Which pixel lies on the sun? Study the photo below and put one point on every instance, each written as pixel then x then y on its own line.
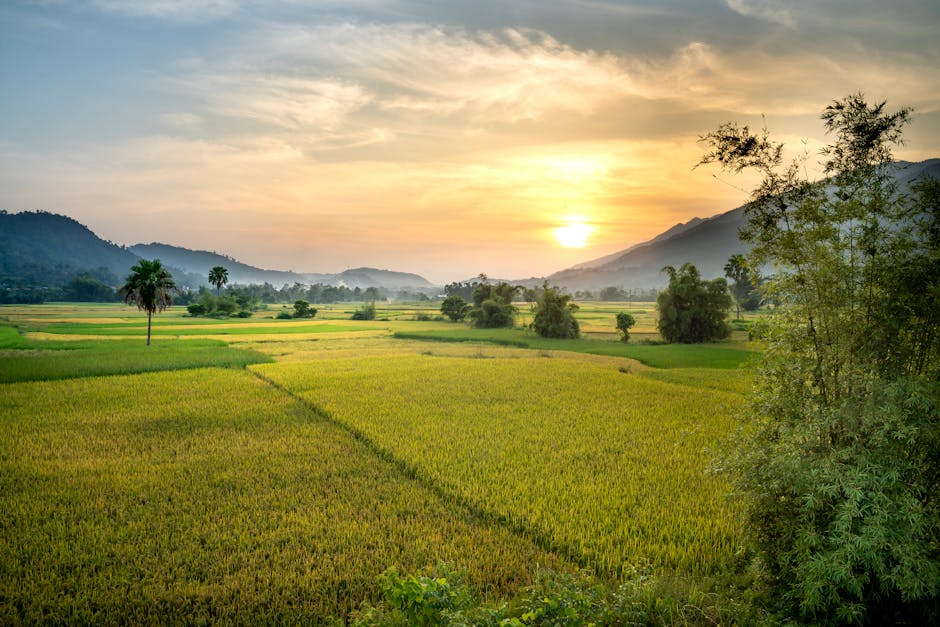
pixel 574 234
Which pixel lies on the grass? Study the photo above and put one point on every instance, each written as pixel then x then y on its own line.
pixel 718 356
pixel 207 496
pixel 225 327
pixel 577 454
pixel 26 359
pixel 168 484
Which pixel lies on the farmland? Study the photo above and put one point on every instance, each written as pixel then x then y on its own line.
pixel 269 470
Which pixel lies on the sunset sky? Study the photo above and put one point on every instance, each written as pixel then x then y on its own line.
pixel 442 138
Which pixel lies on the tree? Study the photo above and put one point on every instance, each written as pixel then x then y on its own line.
pixel 692 309
pixel 218 276
pixel 840 466
pixel 86 288
pixel 366 312
pixel 744 290
pixel 492 305
pixel 302 309
pixel 625 322
pixel 455 308
pixel 148 286
pixel 554 314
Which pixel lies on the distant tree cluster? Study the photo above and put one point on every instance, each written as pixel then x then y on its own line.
pixel 692 309
pixel 744 289
pixel 554 314
pixel 492 305
pixel 619 294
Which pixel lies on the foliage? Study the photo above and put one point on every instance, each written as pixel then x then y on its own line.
pixel 744 288
pixel 840 465
pixel 492 306
pixel 418 601
pixel 366 312
pixel 455 308
pixel 692 309
pixel 555 598
pixel 196 309
pixel 625 321
pixel 218 276
pixel 85 288
pixel 284 315
pixel 148 286
pixel 554 314
pixel 302 309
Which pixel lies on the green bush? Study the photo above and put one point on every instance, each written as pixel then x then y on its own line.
pixel 366 312
pixel 691 309
pixel 625 322
pixel 554 315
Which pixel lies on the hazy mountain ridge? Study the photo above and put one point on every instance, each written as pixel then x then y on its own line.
pixel 707 243
pixel 41 248
pixel 202 261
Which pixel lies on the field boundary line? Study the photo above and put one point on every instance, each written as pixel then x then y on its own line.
pixel 411 472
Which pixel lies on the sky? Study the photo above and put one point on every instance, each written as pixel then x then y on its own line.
pixel 445 138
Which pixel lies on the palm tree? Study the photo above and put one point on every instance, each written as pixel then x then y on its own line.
pixel 218 276
pixel 148 286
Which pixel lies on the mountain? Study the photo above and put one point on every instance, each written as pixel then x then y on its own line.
pixel 40 248
pixel 368 277
pixel 201 261
pixel 675 230
pixel 707 243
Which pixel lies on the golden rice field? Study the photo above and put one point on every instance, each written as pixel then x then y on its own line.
pixel 268 471
pixel 608 466
pixel 208 496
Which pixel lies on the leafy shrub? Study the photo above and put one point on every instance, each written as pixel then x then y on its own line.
pixel 455 308
pixel 196 309
pixel 554 315
pixel 285 315
pixel 243 314
pixel 692 309
pixel 366 312
pixel 492 306
pixel 302 309
pixel 624 322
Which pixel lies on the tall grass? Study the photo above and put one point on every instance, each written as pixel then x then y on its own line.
pixel 611 468
pixel 207 496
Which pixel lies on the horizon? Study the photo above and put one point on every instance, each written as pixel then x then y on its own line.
pixel 510 139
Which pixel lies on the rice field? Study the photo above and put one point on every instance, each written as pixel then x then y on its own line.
pixel 575 453
pixel 208 496
pixel 268 471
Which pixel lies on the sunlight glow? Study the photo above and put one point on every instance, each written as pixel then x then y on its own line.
pixel 575 234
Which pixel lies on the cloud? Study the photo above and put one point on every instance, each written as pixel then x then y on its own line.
pixel 763 10
pixel 168 9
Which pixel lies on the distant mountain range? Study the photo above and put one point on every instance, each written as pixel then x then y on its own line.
pixel 707 243
pixel 201 261
pixel 38 248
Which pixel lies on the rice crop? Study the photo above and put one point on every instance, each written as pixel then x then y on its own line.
pixel 654 355
pixel 607 466
pixel 207 496
pixel 31 360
